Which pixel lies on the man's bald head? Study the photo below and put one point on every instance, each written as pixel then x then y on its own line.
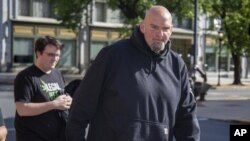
pixel 160 11
pixel 157 28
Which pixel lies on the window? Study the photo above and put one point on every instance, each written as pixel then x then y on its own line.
pixel 24 37
pixel 35 8
pixel 96 46
pixel 100 12
pixel 24 8
pixel 114 16
pixel 210 59
pixel 68 57
pixel 187 24
pixel 182 22
pixel 41 8
pixel 23 50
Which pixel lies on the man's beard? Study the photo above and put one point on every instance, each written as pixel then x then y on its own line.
pixel 157 47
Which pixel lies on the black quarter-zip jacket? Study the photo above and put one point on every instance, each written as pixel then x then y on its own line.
pixel 132 94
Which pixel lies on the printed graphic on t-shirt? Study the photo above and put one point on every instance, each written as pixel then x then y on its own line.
pixel 51 89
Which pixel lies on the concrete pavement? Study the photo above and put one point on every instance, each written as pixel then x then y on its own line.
pixel 236 109
pixel 226 102
pixel 226 110
pixel 225 80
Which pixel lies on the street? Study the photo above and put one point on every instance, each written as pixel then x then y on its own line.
pixel 211 130
pixel 214 115
pixel 214 130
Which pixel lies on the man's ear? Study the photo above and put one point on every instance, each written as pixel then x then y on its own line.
pixel 38 53
pixel 142 27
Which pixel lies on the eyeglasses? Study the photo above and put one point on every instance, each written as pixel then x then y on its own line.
pixel 52 54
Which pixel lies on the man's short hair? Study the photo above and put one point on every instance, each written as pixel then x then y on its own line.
pixel 42 42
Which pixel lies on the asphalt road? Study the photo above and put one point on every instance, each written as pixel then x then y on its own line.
pixel 211 130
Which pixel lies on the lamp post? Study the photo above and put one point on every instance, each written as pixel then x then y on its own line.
pixel 219 58
pixel 195 32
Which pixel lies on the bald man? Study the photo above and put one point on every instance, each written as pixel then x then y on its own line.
pixel 137 89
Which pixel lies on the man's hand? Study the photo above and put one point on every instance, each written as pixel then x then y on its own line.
pixel 62 102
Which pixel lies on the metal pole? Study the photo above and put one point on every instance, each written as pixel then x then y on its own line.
pixel 219 61
pixel 195 31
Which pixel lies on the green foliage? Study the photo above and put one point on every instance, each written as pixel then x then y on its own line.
pixel 235 16
pixel 131 9
pixel 184 9
pixel 134 10
pixel 71 12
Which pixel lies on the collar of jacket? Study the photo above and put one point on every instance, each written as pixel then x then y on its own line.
pixel 140 43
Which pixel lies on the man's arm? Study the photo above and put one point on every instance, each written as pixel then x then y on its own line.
pixel 86 98
pixel 62 102
pixel 3 133
pixel 186 126
pixel 3 130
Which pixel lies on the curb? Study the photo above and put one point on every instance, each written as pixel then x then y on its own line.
pixel 9 79
pixel 231 121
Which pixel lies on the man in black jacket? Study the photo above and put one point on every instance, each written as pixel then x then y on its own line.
pixel 137 89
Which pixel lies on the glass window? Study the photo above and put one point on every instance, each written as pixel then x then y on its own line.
pixel 210 59
pixel 114 16
pixel 35 8
pixel 96 46
pixel 182 22
pixel 68 57
pixel 100 12
pixel 187 23
pixel 175 21
pixel 24 44
pixel 23 50
pixel 24 7
pixel 40 8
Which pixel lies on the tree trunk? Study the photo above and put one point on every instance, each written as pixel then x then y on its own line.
pixel 237 69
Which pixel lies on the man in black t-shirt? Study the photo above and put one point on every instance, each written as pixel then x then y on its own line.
pixel 41 105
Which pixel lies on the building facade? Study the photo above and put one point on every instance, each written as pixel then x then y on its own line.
pixel 23 21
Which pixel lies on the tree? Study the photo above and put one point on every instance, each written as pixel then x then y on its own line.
pixel 235 19
pixel 134 10
pixel 75 11
pixel 71 12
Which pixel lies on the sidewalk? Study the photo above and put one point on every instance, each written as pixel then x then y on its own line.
pixel 8 78
pixel 226 80
pixel 225 110
pixel 226 102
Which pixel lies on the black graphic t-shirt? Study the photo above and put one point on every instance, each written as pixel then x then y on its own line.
pixel 33 85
